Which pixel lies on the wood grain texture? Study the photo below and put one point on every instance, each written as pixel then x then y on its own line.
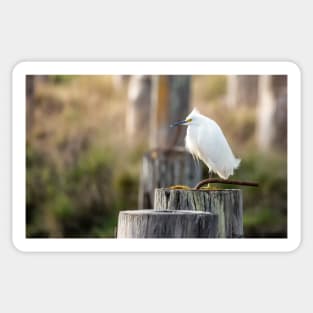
pixel 227 204
pixel 163 168
pixel 166 224
pixel 170 103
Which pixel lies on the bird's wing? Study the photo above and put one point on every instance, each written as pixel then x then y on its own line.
pixel 192 148
pixel 215 151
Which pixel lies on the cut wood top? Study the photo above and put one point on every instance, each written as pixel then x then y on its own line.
pixel 225 190
pixel 226 203
pixel 167 224
pixel 164 212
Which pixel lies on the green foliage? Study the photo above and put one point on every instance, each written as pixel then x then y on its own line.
pixel 40 181
pixel 62 206
pixel 265 206
pixel 73 198
pixel 81 200
pixel 126 186
pixel 266 213
pixel 71 166
pixel 61 79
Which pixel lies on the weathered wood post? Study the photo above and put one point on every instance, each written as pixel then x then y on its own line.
pixel 226 204
pixel 167 163
pixel 166 224
pixel 170 103
pixel 163 168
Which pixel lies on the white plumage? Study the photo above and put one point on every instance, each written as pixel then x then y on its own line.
pixel 206 141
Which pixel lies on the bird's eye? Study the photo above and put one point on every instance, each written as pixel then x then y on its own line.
pixel 189 120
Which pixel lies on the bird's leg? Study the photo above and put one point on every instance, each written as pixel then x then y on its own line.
pixel 209 186
pixel 210 176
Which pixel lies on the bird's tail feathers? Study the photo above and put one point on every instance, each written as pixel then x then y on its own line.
pixel 226 172
pixel 237 163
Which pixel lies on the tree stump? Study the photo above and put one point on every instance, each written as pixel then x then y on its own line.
pixel 226 203
pixel 163 168
pixel 166 224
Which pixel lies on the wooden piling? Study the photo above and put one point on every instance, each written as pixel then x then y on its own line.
pixel 165 167
pixel 226 204
pixel 166 224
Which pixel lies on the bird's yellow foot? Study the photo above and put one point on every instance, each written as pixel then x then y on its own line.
pixel 179 187
pixel 209 187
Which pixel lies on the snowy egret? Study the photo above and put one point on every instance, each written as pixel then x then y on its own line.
pixel 205 141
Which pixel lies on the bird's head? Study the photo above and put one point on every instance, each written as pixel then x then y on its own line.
pixel 191 119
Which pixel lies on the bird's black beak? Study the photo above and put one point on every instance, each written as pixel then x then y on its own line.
pixel 178 123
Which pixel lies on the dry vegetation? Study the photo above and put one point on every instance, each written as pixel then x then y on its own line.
pixel 80 169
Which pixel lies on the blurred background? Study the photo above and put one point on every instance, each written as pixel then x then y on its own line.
pixel 97 145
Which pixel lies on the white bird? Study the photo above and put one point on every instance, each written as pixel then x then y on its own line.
pixel 205 141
